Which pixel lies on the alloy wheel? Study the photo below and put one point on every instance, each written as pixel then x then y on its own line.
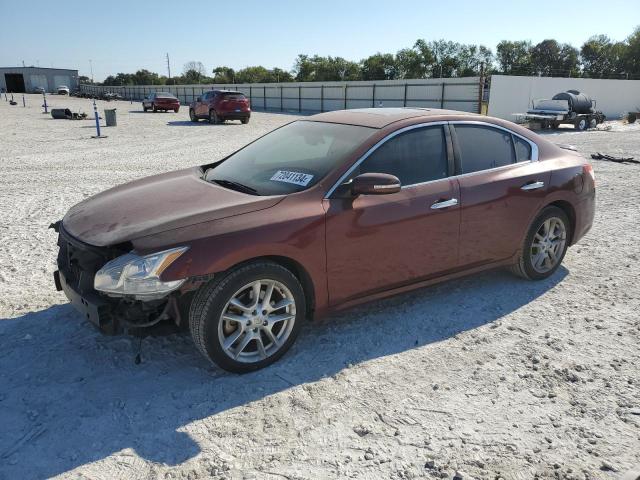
pixel 257 321
pixel 548 245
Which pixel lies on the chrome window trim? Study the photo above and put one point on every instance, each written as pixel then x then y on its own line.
pixel 534 152
pixel 534 147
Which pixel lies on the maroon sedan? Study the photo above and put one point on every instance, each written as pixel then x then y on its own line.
pixel 161 101
pixel 319 215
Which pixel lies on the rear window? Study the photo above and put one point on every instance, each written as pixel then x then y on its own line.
pixel 482 148
pixel 523 149
pixel 164 95
pixel 233 96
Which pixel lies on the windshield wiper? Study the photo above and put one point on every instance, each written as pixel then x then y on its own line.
pixel 236 186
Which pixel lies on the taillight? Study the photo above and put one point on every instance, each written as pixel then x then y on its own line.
pixel 587 169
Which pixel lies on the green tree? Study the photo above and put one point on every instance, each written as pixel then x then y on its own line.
pixel 473 60
pixel 514 58
pixel 224 75
pixel 410 64
pixel 381 66
pixel 632 53
pixel 320 69
pixel 601 57
pixel 549 58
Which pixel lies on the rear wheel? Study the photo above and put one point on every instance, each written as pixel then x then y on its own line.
pixel 192 115
pixel 244 121
pixel 593 122
pixel 544 246
pixel 154 107
pixel 581 124
pixel 144 108
pixel 213 117
pixel 176 110
pixel 248 318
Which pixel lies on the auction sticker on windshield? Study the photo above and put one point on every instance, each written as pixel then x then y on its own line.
pixel 296 178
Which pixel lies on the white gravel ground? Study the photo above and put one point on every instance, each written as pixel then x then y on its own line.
pixel 491 376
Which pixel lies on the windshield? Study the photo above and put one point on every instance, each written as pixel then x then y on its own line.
pixel 290 159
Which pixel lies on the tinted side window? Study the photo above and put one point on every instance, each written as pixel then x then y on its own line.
pixel 415 156
pixel 523 149
pixel 482 147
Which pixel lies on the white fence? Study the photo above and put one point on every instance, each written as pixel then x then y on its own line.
pixel 450 93
pixel 514 94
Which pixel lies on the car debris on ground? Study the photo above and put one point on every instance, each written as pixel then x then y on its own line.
pixel 610 158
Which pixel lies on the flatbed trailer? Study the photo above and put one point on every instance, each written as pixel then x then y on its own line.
pixel 553 113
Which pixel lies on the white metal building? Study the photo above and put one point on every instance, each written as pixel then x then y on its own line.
pixel 27 79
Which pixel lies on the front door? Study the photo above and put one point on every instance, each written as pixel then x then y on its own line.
pixel 378 242
pixel 501 189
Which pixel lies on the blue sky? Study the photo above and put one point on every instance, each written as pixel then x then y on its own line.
pixel 122 36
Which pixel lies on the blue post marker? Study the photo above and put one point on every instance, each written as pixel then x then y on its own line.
pixel 24 104
pixel 44 95
pixel 95 114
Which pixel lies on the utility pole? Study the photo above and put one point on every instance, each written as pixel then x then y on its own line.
pixel 168 65
pixel 91 68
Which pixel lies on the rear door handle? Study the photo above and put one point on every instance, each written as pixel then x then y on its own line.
pixel 452 202
pixel 532 186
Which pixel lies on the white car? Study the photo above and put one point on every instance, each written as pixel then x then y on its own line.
pixel 63 90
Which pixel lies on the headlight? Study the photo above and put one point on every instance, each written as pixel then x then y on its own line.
pixel 137 275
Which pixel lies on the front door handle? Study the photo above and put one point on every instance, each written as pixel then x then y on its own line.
pixel 452 202
pixel 532 186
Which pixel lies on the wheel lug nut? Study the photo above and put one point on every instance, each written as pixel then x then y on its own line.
pixel 265 323
pixel 255 312
pixel 264 312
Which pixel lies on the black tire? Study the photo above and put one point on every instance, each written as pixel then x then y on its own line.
pixel 176 110
pixel 213 117
pixel 524 267
pixel 244 121
pixel 192 115
pixel 593 122
pixel 210 300
pixel 153 107
pixel 581 124
pixel 144 108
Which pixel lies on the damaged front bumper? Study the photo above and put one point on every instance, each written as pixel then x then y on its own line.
pixel 77 265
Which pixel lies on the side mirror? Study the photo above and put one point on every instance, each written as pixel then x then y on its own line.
pixel 375 184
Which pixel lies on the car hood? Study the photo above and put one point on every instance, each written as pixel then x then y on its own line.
pixel 156 204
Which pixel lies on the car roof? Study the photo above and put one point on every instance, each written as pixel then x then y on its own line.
pixel 381 117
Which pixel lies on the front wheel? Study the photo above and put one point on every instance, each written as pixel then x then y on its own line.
pixel 248 318
pixel 144 108
pixel 192 115
pixel 545 245
pixel 581 124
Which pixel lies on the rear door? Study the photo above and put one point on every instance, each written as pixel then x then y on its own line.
pixel 202 107
pixel 502 186
pixel 379 242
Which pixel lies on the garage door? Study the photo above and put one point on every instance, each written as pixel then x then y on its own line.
pixel 62 80
pixel 39 81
